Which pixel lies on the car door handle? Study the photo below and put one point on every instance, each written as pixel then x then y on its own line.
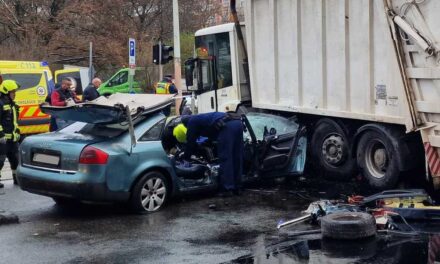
pixel 283 149
pixel 212 102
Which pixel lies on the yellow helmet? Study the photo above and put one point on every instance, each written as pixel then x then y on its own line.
pixel 179 132
pixel 8 86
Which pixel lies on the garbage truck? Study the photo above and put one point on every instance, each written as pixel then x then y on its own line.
pixel 363 76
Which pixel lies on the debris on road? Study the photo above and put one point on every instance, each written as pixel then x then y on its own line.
pixel 8 218
pixel 348 225
pixel 359 217
pixel 319 209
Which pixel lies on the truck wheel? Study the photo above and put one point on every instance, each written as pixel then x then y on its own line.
pixel 150 193
pixel 331 151
pixel 348 225
pixel 377 160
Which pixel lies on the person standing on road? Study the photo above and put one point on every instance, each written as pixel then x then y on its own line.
pixel 227 130
pixel 91 91
pixel 166 86
pixel 63 97
pixel 9 131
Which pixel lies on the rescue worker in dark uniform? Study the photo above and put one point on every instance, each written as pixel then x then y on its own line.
pixel 9 132
pixel 227 130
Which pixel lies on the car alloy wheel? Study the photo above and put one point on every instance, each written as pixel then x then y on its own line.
pixel 153 194
pixel 149 193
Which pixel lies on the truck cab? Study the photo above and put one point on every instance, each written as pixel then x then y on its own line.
pixel 219 84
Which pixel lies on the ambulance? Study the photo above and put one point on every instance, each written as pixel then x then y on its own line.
pixel 35 79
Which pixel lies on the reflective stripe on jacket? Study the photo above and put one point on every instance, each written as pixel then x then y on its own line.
pixel 9 119
pixel 163 88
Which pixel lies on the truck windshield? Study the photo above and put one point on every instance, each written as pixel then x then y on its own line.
pixel 217 45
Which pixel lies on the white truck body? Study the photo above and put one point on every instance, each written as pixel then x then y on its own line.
pixel 361 70
pixel 333 58
pixel 338 58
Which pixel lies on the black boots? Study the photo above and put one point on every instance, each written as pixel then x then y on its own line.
pixel 14 177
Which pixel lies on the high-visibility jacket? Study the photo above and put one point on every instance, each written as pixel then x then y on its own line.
pixel 163 88
pixel 9 112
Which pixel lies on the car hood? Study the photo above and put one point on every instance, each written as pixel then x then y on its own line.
pixel 112 109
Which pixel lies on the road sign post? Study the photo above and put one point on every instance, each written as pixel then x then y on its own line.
pixel 131 62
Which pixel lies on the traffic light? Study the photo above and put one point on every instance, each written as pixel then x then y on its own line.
pixel 156 54
pixel 166 57
pixel 164 51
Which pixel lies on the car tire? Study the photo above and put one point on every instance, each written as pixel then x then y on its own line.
pixel 363 248
pixel 377 159
pixel 348 225
pixel 331 149
pixel 150 193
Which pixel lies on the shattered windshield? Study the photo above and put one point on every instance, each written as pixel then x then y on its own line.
pixel 260 121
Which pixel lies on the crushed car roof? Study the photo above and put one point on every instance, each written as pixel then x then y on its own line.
pixel 112 109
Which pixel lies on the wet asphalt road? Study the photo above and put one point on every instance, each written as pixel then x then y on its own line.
pixel 185 231
pixel 239 230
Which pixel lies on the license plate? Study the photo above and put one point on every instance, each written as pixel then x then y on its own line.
pixel 47 159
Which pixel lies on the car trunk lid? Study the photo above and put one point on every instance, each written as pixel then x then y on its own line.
pixel 59 151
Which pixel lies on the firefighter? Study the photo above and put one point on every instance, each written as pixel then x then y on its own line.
pixel 166 86
pixel 227 131
pixel 9 132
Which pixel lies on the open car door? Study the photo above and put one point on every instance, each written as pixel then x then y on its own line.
pixel 275 145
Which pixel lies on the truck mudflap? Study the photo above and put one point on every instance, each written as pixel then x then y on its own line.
pixel 433 161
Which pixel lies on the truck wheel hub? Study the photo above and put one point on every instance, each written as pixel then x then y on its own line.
pixel 380 158
pixel 332 149
pixel 376 158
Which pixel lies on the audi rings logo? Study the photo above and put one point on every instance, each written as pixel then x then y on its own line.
pixel 41 90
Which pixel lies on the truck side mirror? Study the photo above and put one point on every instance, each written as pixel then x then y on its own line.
pixel 189 73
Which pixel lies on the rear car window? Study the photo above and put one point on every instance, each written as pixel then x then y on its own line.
pixel 100 130
pixel 155 132
pixel 26 80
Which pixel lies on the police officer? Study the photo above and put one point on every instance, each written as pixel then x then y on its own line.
pixel 9 132
pixel 227 130
pixel 166 86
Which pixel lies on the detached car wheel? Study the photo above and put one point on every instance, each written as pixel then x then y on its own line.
pixel 348 225
pixel 150 193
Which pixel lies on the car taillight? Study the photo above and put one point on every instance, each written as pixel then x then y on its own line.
pixel 91 155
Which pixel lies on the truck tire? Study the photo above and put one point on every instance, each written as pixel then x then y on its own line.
pixel 378 160
pixel 331 151
pixel 348 225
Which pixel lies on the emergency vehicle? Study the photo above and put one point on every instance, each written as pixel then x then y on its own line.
pixel 35 79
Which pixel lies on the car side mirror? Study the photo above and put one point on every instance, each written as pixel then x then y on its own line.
pixel 189 74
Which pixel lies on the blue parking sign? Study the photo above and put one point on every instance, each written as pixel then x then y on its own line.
pixel 132 51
